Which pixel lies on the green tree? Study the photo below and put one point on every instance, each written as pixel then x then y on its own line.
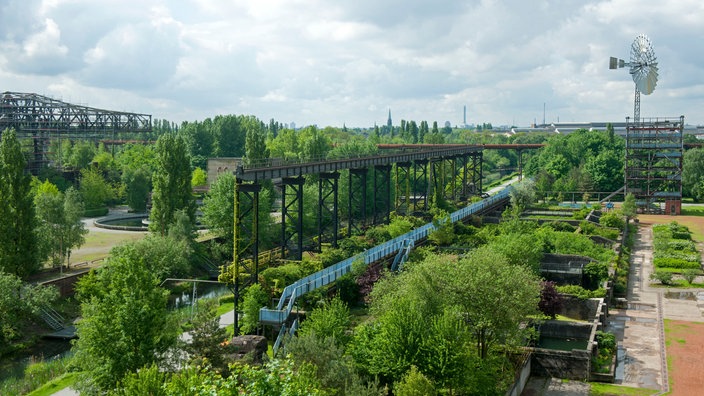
pixel 329 321
pixel 20 303
pixel 606 170
pixel 255 141
pixel 94 189
pixel 19 253
pixel 82 154
pixel 486 279
pixel 254 299
pixel 172 184
pixel 199 141
pixel 693 173
pixel 284 145
pixel 208 339
pixel 218 207
pixel 135 156
pixel 73 231
pixel 137 183
pixel 629 208
pixel 59 216
pixel 522 195
pixel 199 178
pixel 149 380
pixel 315 144
pixel 414 383
pixel 48 203
pixel 165 256
pixel 229 136
pixel 124 324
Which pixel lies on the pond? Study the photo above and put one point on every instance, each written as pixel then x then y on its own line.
pixel 202 290
pixel 128 223
pixel 562 344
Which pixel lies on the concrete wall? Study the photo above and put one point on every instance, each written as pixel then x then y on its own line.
pixel 66 283
pixel 216 166
pixel 563 329
pixel 522 377
pixel 564 269
pixel 574 364
pixel 579 309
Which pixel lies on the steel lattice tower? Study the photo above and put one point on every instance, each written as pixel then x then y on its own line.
pixel 653 166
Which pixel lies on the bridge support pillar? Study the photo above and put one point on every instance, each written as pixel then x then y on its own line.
pixel 403 188
pixel 421 184
pixel 327 206
pixel 357 200
pixel 245 242
pixel 382 194
pixel 292 216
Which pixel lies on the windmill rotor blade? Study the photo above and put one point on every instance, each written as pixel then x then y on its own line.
pixel 643 65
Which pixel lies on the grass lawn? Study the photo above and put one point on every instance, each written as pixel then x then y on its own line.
pixel 98 244
pixel 600 389
pixel 55 385
pixel 693 211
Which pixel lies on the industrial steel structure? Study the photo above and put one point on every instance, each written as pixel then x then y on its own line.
pixel 653 166
pixel 419 173
pixel 43 124
pixel 282 315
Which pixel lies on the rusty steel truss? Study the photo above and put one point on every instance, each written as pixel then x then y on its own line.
pixel 43 124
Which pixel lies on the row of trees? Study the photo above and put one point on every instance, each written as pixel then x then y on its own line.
pixel 580 161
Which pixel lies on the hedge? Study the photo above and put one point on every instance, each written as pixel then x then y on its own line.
pixel 671 262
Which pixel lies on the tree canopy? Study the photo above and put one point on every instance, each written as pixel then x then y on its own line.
pixel 172 184
pixel 19 253
pixel 124 322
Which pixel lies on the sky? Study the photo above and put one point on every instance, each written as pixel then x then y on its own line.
pixel 348 62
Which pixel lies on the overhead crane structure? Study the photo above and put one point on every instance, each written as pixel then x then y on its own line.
pixel 418 171
pixel 43 124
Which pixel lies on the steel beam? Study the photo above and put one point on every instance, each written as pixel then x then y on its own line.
pixel 420 191
pixel 403 187
pixel 245 242
pixel 328 206
pixel 382 194
pixel 357 200
pixel 292 216
pixel 274 169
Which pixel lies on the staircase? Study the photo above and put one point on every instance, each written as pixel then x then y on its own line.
pixel 52 318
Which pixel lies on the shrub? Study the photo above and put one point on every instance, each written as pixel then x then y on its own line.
pixel 672 262
pixel 581 214
pixel 595 272
pixel 550 300
pixel 580 292
pixel 96 212
pixel 664 277
pixel 612 219
pixel 561 226
pixel 689 275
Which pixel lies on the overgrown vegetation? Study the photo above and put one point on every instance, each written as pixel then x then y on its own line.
pixel 673 248
pixel 606 344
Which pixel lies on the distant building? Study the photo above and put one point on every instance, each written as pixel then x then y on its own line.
pixel 217 166
pixel 389 124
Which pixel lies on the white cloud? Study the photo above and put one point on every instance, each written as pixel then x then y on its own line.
pixel 329 63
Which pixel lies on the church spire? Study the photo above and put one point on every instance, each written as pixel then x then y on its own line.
pixel 388 121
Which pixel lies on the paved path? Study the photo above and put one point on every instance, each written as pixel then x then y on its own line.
pixel 639 327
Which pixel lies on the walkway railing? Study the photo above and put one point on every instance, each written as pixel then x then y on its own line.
pixel 324 277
